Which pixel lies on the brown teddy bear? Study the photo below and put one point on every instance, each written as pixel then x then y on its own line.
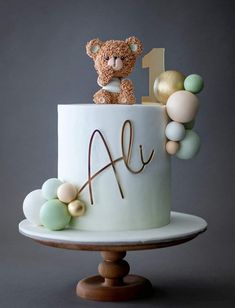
pixel 114 60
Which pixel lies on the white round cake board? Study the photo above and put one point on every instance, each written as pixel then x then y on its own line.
pixel 181 226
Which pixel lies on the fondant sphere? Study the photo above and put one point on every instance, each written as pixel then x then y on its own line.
pixel 66 192
pixel 182 106
pixel 167 83
pixel 172 147
pixel 189 146
pixel 54 215
pixel 190 124
pixel 32 205
pixel 76 208
pixel 175 131
pixel 194 83
pixel 49 188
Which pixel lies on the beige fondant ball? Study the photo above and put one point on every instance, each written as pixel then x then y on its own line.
pixel 66 192
pixel 167 83
pixel 172 147
pixel 76 208
pixel 182 106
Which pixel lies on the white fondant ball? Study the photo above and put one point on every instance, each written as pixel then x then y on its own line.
pixel 182 106
pixel 49 188
pixel 32 205
pixel 189 146
pixel 175 131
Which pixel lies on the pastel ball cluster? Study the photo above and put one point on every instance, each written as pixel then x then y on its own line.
pixel 53 205
pixel 179 95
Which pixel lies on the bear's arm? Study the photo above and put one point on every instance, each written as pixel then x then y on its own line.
pixel 127 85
pixel 105 77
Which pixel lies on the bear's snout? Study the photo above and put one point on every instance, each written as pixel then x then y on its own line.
pixel 116 63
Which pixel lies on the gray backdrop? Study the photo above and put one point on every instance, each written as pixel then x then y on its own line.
pixel 43 63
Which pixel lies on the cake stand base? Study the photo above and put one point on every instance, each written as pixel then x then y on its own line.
pixel 114 283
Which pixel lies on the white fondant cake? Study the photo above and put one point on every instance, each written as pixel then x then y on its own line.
pixel 123 189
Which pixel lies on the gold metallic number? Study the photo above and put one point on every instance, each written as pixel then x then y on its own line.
pixel 154 60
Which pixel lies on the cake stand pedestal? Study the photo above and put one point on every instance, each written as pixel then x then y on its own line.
pixel 114 283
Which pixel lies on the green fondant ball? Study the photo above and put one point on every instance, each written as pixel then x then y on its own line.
pixel 190 124
pixel 189 146
pixel 54 215
pixel 193 83
pixel 49 188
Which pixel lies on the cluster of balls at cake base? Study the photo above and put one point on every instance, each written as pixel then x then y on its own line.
pixel 53 205
pixel 182 104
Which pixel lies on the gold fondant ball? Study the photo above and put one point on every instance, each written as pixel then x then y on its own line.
pixel 172 147
pixel 76 208
pixel 66 192
pixel 167 83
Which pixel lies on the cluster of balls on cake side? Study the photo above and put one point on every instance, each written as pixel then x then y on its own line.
pixel 53 205
pixel 178 93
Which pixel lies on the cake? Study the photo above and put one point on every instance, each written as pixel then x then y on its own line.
pixel 114 156
pixel 136 195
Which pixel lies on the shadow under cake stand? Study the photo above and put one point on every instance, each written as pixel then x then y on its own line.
pixel 114 283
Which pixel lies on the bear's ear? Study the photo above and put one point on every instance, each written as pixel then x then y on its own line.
pixel 135 45
pixel 93 47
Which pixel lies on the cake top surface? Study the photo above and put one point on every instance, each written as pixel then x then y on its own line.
pixel 157 105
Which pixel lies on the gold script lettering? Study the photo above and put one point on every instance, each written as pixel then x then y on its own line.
pixel 126 157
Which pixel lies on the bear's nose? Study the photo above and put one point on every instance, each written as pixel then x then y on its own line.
pixel 116 63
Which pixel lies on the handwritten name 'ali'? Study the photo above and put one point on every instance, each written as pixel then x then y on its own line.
pixel 126 158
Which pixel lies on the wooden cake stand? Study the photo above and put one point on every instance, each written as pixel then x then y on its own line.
pixel 114 283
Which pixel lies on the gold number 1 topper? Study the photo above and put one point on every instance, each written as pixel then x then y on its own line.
pixel 154 60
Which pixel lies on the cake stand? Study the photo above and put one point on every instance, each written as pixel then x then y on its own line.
pixel 114 283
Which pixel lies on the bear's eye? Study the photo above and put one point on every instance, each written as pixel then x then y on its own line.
pixel 107 58
pixel 122 58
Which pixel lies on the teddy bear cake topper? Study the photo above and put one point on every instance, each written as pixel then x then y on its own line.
pixel 114 60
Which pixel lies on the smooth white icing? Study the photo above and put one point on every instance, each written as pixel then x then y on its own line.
pixel 113 86
pixel 146 202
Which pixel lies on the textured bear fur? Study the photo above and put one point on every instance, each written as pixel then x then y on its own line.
pixel 114 60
